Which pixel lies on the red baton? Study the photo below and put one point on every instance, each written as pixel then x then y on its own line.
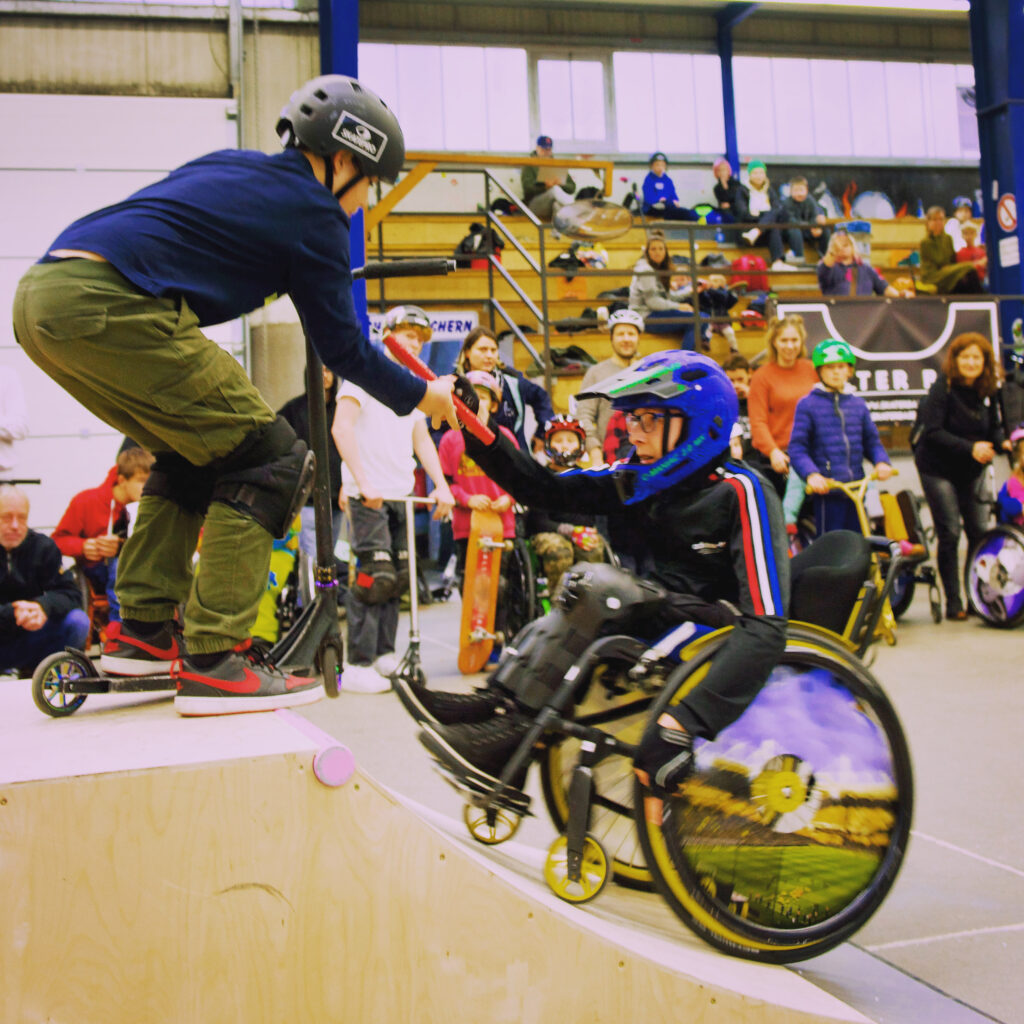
pixel 420 368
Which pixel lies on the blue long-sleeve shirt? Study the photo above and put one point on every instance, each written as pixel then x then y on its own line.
pixel 231 229
pixel 657 190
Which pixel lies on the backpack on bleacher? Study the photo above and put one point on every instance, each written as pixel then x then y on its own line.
pixel 474 245
pixel 755 282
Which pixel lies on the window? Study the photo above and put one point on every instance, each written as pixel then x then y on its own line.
pixel 572 103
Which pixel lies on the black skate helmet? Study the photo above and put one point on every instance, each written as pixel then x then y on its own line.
pixel 333 113
pixel 562 422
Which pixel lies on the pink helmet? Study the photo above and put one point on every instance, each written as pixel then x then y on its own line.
pixel 483 379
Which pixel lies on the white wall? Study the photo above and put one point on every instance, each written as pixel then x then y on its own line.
pixel 60 158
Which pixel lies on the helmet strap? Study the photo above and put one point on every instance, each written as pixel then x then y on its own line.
pixel 351 183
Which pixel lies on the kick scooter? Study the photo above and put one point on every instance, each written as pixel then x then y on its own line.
pixel 62 681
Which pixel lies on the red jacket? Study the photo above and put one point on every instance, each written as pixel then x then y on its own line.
pixel 92 513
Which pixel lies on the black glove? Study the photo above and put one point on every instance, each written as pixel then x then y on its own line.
pixel 466 393
pixel 666 755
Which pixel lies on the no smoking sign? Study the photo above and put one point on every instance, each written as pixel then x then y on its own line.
pixel 1006 212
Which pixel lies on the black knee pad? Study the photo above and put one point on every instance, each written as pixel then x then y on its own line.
pixel 374 577
pixel 401 559
pixel 268 477
pixel 174 478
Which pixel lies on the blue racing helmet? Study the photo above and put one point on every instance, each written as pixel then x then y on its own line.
pixel 688 386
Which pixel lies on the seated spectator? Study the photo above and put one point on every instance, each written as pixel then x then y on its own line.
pixel 660 199
pixel 653 293
pixel 939 267
pixel 971 251
pixel 625 327
pixel 843 272
pixel 95 524
pixel 480 352
pixel 759 204
pixel 727 190
pixel 716 298
pixel 963 210
pixel 561 539
pixel 546 189
pixel 40 611
pixel 833 433
pixel 800 207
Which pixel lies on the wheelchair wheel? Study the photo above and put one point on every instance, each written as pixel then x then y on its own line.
pixel 519 591
pixel 902 592
pixel 490 825
pixel 593 871
pixel 791 830
pixel 615 705
pixel 995 577
pixel 47 689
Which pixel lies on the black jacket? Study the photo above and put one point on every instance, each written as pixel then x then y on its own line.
pixel 32 572
pixel 296 412
pixel 952 419
pixel 721 538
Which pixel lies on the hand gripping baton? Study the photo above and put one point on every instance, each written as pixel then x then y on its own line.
pixel 418 367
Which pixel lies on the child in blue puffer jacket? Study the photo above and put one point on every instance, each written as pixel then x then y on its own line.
pixel 832 435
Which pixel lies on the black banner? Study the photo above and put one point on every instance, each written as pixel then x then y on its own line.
pixel 900 343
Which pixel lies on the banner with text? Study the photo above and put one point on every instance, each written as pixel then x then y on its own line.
pixel 900 345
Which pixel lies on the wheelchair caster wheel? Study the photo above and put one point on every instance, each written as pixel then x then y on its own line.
pixel 490 825
pixel 47 689
pixel 594 871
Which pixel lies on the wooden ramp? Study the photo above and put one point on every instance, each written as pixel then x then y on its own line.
pixel 196 870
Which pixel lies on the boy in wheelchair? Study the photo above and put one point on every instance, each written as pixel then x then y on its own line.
pixel 714 534
pixel 560 540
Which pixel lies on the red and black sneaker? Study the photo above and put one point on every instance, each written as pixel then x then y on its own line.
pixel 127 652
pixel 242 680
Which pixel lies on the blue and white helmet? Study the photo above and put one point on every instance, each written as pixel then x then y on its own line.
pixel 692 387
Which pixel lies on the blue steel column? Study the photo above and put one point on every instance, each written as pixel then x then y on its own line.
pixel 339 55
pixel 997 32
pixel 728 18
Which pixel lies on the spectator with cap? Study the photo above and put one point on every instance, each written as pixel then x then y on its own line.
pixel 660 199
pixel 759 204
pixel 546 189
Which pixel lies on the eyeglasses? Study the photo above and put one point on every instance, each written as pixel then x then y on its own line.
pixel 646 421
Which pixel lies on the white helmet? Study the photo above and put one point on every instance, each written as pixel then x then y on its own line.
pixel 626 316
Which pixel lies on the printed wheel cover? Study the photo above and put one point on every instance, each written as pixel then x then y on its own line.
pixel 995 581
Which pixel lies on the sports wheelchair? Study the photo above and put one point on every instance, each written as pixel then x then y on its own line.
pixel 790 831
pixel 995 576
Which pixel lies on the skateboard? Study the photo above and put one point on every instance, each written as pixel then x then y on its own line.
pixel 480 591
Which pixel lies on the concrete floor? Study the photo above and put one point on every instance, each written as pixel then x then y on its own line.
pixel 947 944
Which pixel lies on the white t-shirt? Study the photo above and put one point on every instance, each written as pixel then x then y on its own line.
pixel 385 445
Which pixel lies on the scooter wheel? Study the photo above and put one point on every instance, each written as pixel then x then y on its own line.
pixel 490 825
pixel 594 871
pixel 48 683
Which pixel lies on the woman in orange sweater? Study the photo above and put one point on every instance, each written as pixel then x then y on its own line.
pixel 775 389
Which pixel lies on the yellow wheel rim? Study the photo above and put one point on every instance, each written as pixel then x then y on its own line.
pixel 593 871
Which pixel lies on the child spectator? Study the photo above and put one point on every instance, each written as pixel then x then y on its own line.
pixel 377 447
pixel 95 523
pixel 759 204
pixel 595 413
pixel 737 369
pixel 660 199
pixel 727 190
pixel 800 207
pixel 1010 501
pixel 546 189
pixel 963 210
pixel 971 251
pixel 39 604
pixel 716 298
pixel 469 487
pixel 832 435
pixel 652 294
pixel 939 267
pixel 842 272
pixel 560 539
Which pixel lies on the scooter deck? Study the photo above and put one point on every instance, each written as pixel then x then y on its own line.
pixel 480 591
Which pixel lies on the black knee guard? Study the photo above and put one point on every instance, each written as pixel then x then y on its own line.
pixel 401 560
pixel 375 577
pixel 593 598
pixel 268 477
pixel 175 478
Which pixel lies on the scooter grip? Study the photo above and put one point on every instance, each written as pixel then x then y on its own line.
pixel 420 368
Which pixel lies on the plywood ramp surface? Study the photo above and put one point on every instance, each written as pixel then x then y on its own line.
pixel 161 869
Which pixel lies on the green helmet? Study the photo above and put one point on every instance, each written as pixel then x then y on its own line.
pixel 831 350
